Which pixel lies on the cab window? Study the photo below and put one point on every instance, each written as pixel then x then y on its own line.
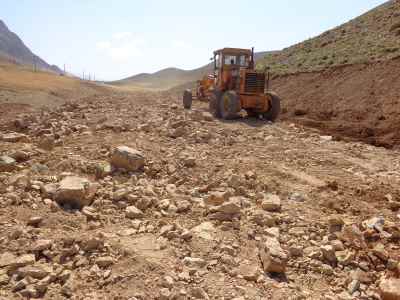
pixel 244 61
pixel 230 60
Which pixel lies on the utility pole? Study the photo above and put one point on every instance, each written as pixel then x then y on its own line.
pixel 83 76
pixel 64 70
pixel 34 63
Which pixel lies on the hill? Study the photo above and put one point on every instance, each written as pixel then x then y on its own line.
pixel 170 77
pixel 14 49
pixel 22 89
pixel 371 37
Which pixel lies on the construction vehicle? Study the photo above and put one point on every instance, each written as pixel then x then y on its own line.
pixel 235 85
pixel 204 86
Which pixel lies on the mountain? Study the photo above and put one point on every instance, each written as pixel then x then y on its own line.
pixel 14 49
pixel 171 77
pixel 373 36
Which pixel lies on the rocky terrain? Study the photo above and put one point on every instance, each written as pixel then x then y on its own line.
pixel 129 196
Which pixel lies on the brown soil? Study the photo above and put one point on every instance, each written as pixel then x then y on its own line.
pixel 359 101
pixel 314 178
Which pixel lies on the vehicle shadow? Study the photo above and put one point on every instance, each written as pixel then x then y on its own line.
pixel 248 121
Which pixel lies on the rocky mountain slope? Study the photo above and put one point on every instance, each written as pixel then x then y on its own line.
pixel 14 49
pixel 371 37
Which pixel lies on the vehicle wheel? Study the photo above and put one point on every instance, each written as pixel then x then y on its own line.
pixel 229 105
pixel 273 113
pixel 187 99
pixel 214 104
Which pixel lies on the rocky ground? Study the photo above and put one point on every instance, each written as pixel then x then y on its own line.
pixel 128 196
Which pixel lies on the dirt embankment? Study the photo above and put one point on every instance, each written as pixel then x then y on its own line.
pixel 359 101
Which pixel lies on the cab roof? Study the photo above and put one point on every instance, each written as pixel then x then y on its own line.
pixel 233 51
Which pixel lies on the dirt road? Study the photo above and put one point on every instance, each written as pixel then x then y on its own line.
pixel 212 197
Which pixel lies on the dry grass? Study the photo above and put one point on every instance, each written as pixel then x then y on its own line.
pixel 21 85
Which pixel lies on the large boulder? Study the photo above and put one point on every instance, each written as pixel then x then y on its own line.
pixel 127 158
pixel 75 191
pixel 273 257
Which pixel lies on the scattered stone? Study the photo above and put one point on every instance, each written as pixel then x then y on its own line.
pixel 37 272
pixel 41 245
pixel 105 261
pixel 168 282
pixel 295 251
pixel 230 208
pixel 21 261
pixel 127 158
pixel 14 137
pixel 353 286
pixel 35 221
pixel 390 289
pixel 375 223
pixel 273 257
pixel 165 294
pixel 194 262
pixel 249 272
pixel 103 169
pixel 328 253
pixel 7 164
pixel 93 243
pixel 47 142
pixel 217 198
pixel 326 138
pixel 271 203
pixel 262 218
pixel 132 212
pixel 75 191
pixel 207 116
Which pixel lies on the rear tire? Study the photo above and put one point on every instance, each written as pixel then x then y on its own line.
pixel 273 113
pixel 214 104
pixel 187 99
pixel 229 105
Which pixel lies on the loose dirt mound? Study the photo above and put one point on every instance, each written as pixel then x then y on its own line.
pixel 358 101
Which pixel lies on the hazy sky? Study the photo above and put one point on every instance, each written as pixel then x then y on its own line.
pixel 119 38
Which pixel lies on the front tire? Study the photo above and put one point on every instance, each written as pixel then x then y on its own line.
pixel 214 104
pixel 275 108
pixel 229 105
pixel 187 99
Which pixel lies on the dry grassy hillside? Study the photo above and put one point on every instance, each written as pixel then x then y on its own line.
pixel 22 88
pixel 371 37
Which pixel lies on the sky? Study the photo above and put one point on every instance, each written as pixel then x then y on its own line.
pixel 114 39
